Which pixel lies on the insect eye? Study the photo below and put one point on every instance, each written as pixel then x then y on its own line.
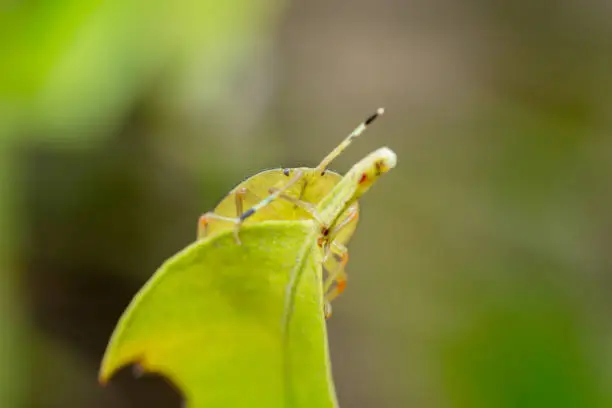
pixel 287 172
pixel 379 167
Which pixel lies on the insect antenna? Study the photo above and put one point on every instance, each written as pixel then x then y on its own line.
pixel 348 140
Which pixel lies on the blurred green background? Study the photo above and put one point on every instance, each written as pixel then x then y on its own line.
pixel 481 273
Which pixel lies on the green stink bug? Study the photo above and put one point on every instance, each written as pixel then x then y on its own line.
pixel 307 193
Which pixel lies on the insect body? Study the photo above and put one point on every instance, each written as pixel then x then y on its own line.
pixel 306 193
pixel 295 203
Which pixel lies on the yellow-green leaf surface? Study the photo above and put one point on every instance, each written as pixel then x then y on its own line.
pixel 234 325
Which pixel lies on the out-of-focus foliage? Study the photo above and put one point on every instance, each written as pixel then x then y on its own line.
pixel 483 282
pixel 223 322
pixel 76 67
pixel 70 74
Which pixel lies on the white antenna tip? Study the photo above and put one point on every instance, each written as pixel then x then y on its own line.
pixel 380 111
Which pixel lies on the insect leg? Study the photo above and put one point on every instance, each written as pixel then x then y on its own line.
pixel 248 213
pixel 347 141
pixel 336 274
pixel 243 195
pixel 239 198
pixel 206 218
pixel 310 208
pixel 204 221
pixel 335 259
pixel 352 216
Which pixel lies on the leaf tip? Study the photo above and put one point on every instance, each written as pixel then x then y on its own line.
pixel 103 376
pixel 108 368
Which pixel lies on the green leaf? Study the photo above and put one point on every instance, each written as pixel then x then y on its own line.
pixel 234 325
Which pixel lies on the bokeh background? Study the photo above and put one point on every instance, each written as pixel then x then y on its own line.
pixel 481 273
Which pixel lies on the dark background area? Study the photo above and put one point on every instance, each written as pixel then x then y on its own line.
pixel 481 271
